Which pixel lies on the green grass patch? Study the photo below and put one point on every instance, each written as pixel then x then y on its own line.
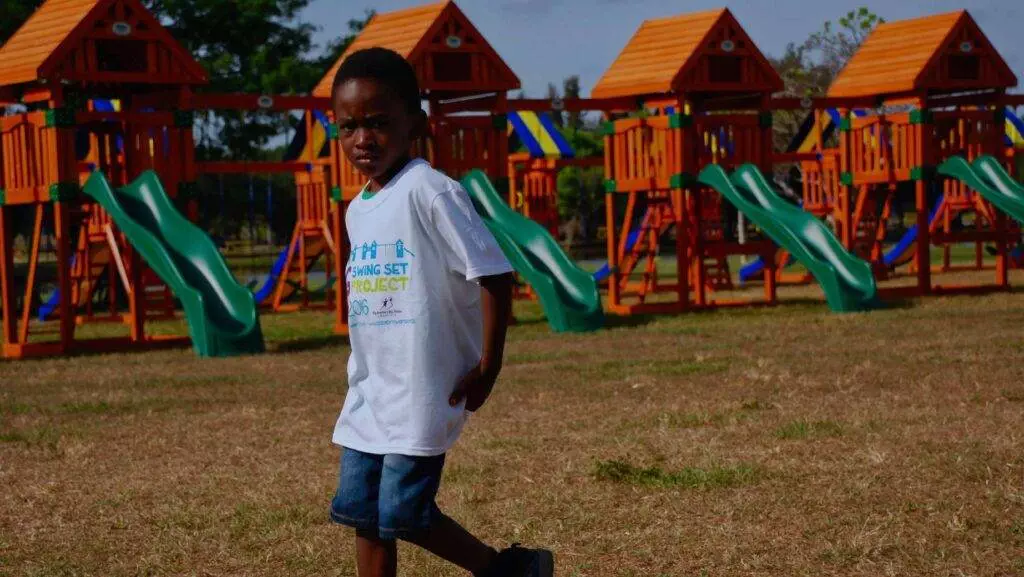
pixel 756 405
pixel 805 429
pixel 44 436
pixel 10 408
pixel 714 477
pixel 1013 396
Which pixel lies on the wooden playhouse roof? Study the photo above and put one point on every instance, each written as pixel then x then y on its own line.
pixel 418 32
pixel 679 53
pixel 53 43
pixel 921 54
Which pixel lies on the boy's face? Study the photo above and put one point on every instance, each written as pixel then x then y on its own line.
pixel 375 127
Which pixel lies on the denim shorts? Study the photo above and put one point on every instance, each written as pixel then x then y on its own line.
pixel 391 494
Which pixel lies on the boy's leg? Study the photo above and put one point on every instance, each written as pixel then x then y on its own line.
pixel 355 505
pixel 408 487
pixel 449 541
pixel 375 557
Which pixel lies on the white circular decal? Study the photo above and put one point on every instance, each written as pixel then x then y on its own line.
pixel 265 101
pixel 966 46
pixel 453 42
pixel 121 28
pixel 728 45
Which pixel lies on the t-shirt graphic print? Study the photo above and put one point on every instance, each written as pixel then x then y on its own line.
pixel 415 324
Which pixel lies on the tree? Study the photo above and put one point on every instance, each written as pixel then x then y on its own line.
pixel 556 117
pixel 808 69
pixel 571 90
pixel 833 46
pixel 250 46
pixel 13 13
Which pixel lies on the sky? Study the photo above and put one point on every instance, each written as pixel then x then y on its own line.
pixel 547 40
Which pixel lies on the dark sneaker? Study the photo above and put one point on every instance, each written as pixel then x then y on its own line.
pixel 518 561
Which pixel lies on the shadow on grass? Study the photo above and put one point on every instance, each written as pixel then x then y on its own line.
pixel 631 321
pixel 309 344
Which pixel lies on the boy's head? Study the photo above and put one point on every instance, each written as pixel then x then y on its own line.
pixel 376 101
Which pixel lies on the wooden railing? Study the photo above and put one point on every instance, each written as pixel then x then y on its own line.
pixel 643 154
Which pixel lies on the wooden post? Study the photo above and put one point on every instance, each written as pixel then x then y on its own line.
pixel 136 296
pixel 610 161
pixel 679 138
pixel 922 138
pixel 842 205
pixel 9 332
pixel 64 240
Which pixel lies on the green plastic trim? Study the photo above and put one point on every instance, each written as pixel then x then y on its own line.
pixel 499 121
pixel 923 172
pixel 64 191
pixel 3 197
pixel 846 179
pixel 183 119
pixel 918 116
pixel 607 128
pixel 845 124
pixel 188 190
pixel 610 186
pixel 332 131
pixel 680 121
pixel 765 120
pixel 60 117
pixel 681 180
pixel 336 193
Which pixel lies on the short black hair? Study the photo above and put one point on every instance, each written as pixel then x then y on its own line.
pixel 384 66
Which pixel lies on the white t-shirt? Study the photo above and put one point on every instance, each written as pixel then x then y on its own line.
pixel 415 322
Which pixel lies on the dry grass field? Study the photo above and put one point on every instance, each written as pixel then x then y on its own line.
pixel 785 441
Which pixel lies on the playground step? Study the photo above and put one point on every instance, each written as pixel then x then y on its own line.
pixel 716 274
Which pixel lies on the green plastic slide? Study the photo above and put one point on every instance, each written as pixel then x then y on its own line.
pixel 847 281
pixel 568 294
pixel 990 180
pixel 221 313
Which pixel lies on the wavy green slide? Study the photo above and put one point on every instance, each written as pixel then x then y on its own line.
pixel 990 180
pixel 568 294
pixel 847 281
pixel 221 313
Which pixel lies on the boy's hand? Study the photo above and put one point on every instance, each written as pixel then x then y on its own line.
pixel 475 387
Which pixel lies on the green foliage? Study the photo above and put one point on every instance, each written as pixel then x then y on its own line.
pixel 571 90
pixel 809 68
pixel 248 46
pixel 265 50
pixel 581 190
pixel 714 477
pixel 13 13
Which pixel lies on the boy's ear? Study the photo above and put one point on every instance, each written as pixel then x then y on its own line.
pixel 419 125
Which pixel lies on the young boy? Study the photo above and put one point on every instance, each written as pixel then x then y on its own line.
pixel 429 300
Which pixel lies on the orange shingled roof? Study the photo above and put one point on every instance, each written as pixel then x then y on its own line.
pixel 896 56
pixel 655 55
pixel 667 55
pixel 40 35
pixel 401 31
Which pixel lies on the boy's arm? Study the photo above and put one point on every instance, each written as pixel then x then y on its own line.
pixel 496 305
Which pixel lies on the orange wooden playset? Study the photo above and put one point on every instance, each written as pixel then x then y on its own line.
pixel 705 90
pixel 65 56
pixel 938 89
